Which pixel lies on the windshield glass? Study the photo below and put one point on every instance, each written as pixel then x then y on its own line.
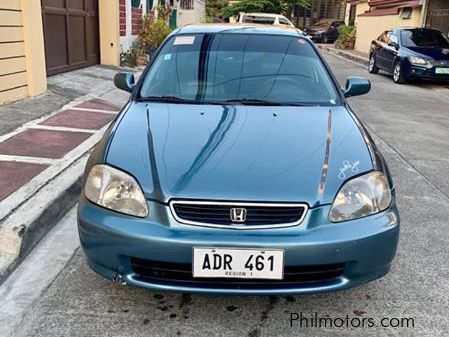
pixel 424 38
pixel 233 67
pixel 264 20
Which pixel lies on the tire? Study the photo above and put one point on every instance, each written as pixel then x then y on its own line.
pixel 398 75
pixel 372 68
pixel 325 39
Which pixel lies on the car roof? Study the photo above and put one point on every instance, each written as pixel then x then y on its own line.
pixel 417 28
pixel 245 28
pixel 270 15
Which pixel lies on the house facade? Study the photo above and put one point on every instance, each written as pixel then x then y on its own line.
pixel 40 38
pixel 372 17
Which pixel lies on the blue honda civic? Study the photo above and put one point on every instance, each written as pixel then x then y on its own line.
pixel 238 167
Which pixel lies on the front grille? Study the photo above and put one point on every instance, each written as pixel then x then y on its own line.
pixel 181 273
pixel 219 214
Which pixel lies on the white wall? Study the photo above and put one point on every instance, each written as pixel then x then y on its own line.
pixel 196 15
pixel 126 41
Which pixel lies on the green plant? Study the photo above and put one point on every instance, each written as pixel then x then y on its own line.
pixel 215 7
pixel 128 58
pixel 164 12
pixel 247 6
pixel 152 33
pixel 264 6
pixel 346 37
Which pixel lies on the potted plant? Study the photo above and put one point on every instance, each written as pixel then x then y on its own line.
pixel 152 33
pixel 141 57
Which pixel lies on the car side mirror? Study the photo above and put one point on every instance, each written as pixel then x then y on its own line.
pixel 356 86
pixel 124 81
pixel 393 44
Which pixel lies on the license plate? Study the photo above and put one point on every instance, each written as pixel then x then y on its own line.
pixel 238 263
pixel 444 71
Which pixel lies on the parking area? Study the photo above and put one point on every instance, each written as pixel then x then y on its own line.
pixel 410 124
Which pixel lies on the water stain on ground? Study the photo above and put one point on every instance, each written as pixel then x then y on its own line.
pixel 186 301
pixel 158 296
pixel 256 331
pixel 231 308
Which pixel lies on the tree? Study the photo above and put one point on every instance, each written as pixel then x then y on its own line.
pixel 214 8
pixel 247 6
pixel 264 6
pixel 290 6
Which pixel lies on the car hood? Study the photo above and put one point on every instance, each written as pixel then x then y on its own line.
pixel 245 153
pixel 434 53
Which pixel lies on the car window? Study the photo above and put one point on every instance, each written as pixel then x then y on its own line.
pixel 265 20
pixel 392 37
pixel 424 38
pixel 220 67
pixel 284 21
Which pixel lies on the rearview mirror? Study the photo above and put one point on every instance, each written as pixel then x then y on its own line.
pixel 124 81
pixel 356 86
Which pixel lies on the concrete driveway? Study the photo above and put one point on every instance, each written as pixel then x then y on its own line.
pixel 410 123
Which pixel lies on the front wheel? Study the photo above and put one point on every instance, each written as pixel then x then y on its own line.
pixel 398 75
pixel 372 68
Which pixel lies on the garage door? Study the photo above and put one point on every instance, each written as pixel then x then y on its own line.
pixel 70 34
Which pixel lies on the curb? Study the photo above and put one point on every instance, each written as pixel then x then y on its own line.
pixel 346 54
pixel 30 212
pixel 32 220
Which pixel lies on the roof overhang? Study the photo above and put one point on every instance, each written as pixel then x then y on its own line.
pixel 389 7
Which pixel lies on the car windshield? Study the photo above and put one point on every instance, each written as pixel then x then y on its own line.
pixel 264 20
pixel 424 38
pixel 239 68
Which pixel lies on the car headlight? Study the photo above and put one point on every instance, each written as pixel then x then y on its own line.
pixel 419 61
pixel 115 190
pixel 362 196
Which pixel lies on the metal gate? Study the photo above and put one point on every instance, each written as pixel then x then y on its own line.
pixel 437 15
pixel 70 34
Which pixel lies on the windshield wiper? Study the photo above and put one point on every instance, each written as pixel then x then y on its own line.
pixel 251 101
pixel 169 99
pixel 243 101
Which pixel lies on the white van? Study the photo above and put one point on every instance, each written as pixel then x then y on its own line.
pixel 264 19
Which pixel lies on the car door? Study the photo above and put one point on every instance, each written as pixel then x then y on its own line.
pixel 391 50
pixel 379 50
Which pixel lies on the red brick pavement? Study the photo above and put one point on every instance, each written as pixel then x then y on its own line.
pixel 14 174
pixel 79 119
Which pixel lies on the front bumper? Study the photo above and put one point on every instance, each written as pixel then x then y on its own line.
pixel 111 240
pixel 316 37
pixel 422 73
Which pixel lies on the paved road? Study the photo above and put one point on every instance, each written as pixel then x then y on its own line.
pixel 411 125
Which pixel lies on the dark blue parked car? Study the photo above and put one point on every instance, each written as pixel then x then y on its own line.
pixel 411 54
pixel 237 166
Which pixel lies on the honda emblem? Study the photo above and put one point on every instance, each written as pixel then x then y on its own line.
pixel 238 214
